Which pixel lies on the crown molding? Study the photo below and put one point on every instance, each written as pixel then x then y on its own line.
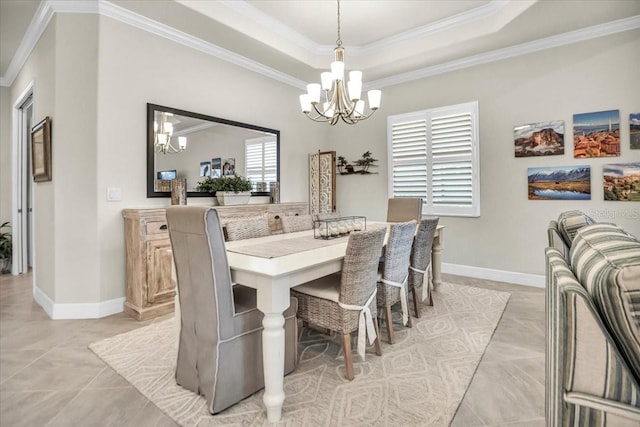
pixel 48 8
pixel 559 40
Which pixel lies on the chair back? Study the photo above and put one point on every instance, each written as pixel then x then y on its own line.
pixel 293 223
pixel 401 209
pixel 398 251
pixel 247 228
pixel 360 266
pixel 202 272
pixel 421 250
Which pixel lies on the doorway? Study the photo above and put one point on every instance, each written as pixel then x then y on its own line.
pixel 23 185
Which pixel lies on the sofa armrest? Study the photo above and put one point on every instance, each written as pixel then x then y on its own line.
pixel 583 364
pixel 556 240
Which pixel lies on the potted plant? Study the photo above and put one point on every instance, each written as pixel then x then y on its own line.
pixel 365 161
pixel 229 190
pixel 6 248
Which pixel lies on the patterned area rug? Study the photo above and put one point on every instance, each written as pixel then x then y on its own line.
pixel 418 381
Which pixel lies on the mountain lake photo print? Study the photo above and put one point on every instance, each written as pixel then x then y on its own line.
pixel 559 183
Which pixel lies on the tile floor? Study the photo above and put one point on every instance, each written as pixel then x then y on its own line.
pixel 48 376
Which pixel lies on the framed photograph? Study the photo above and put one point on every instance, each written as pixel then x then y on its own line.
pixel 559 183
pixel 634 131
pixel 216 167
pixel 596 134
pixel 205 168
pixel 621 181
pixel 41 150
pixel 539 139
pixel 229 167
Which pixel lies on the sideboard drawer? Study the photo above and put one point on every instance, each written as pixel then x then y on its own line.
pixel 157 227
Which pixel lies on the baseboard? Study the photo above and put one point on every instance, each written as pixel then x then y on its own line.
pixel 497 275
pixel 77 310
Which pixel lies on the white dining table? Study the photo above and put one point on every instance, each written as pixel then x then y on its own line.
pixel 273 277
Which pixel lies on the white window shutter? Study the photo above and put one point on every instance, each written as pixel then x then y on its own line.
pixel 434 154
pixel 261 159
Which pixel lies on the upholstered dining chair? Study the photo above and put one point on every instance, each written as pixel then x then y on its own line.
pixel 247 228
pixel 346 302
pixel 393 273
pixel 419 267
pixel 220 345
pixel 401 209
pixel 292 223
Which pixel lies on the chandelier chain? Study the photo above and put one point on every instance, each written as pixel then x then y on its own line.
pixel 339 41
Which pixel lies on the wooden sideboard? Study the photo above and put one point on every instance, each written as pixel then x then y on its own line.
pixel 150 286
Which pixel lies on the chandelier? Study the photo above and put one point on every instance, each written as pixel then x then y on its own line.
pixel 163 133
pixel 338 102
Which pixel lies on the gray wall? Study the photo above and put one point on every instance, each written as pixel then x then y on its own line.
pixel 510 234
pixel 99 125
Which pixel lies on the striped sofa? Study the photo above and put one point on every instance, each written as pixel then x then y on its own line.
pixel 593 329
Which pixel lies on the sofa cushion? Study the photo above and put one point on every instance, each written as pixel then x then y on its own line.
pixel 570 222
pixel 606 260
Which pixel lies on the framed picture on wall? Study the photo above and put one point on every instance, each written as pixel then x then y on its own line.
pixel 216 167
pixel 559 183
pixel 41 150
pixel 229 167
pixel 596 134
pixel 634 131
pixel 205 168
pixel 539 139
pixel 621 181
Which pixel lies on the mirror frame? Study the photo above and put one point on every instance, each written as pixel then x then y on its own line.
pixel 152 108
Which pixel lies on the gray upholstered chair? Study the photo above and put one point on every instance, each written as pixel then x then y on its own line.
pixel 394 271
pixel 346 302
pixel 421 262
pixel 292 223
pixel 247 228
pixel 401 209
pixel 220 347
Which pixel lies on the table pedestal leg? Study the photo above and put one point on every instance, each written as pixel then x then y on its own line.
pixel 273 363
pixel 436 260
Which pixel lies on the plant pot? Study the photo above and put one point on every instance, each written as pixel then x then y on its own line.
pixel 227 198
pixel 5 265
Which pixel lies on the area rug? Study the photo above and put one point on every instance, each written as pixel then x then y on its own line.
pixel 418 381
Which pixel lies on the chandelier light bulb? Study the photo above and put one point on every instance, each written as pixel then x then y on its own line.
pixel 374 99
pixel 327 80
pixel 305 103
pixel 355 90
pixel 337 69
pixel 182 142
pixel 313 90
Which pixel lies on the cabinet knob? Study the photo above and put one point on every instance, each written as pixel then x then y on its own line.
pixel 163 227
pixel 277 217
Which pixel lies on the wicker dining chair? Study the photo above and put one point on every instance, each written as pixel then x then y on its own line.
pixel 220 344
pixel 346 302
pixel 292 223
pixel 420 266
pixel 247 228
pixel 401 209
pixel 394 271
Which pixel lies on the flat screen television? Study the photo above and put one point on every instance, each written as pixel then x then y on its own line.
pixel 167 175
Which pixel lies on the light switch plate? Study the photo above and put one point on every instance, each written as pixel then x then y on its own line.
pixel 114 194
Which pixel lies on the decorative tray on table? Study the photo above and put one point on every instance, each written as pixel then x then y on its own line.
pixel 338 227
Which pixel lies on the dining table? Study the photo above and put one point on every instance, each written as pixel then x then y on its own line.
pixel 274 264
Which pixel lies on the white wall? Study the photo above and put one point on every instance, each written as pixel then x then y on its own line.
pixel 510 235
pixel 130 76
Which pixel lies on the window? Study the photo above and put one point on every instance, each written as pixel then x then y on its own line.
pixel 261 159
pixel 434 154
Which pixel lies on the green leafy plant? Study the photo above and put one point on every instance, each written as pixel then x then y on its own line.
pixel 6 247
pixel 235 183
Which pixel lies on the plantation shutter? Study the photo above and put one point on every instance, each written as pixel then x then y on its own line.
pixel 434 155
pixel 261 159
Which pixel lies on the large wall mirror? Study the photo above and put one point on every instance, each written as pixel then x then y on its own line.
pixel 182 144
